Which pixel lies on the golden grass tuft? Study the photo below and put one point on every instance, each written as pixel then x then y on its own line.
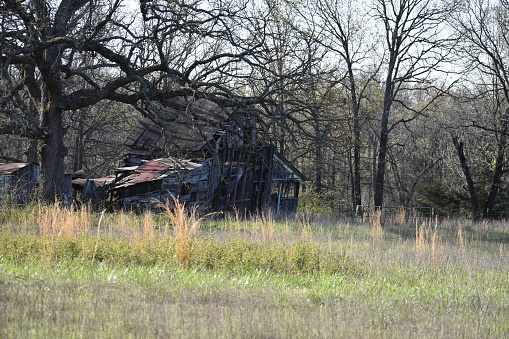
pixel 307 234
pixel 148 226
pixel 461 239
pixel 422 232
pixel 123 220
pixel 435 248
pixel 375 221
pixel 61 221
pixel 426 236
pixel 267 226
pixel 185 223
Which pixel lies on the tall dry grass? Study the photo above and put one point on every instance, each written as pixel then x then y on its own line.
pixel 267 226
pixel 185 222
pixel 123 221
pixel 392 296
pixel 307 235
pixel 421 235
pixel 375 221
pixel 427 239
pixel 181 225
pixel 148 226
pixel 436 256
pixel 24 218
pixel 57 220
pixel 461 240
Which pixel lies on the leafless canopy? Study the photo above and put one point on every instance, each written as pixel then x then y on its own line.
pixel 58 56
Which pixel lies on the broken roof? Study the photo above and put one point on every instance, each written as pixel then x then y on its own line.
pixel 9 168
pixel 97 181
pixel 289 167
pixel 190 123
pixel 156 169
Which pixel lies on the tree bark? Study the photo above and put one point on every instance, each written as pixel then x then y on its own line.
pixel 318 167
pixel 498 171
pixel 357 142
pixel 378 197
pixel 52 153
pixel 79 145
pixel 474 204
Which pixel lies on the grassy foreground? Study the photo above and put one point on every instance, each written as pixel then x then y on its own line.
pixel 66 274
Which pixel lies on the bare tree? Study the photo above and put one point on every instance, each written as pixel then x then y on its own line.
pixel 95 136
pixel 343 31
pixel 474 204
pixel 482 28
pixel 298 123
pixel 415 48
pixel 166 49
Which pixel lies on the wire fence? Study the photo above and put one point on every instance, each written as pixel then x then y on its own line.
pixel 395 213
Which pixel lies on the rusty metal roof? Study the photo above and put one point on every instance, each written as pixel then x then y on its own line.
pixel 189 125
pixel 156 169
pixel 9 168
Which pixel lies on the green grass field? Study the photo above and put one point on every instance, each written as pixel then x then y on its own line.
pixel 66 274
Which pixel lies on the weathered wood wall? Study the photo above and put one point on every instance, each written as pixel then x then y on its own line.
pixel 18 185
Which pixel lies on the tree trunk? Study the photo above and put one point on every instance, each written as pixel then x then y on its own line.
pixel 52 154
pixel 474 204
pixel 357 200
pixel 381 159
pixel 79 145
pixel 378 196
pixel 497 174
pixel 318 167
pixel 357 196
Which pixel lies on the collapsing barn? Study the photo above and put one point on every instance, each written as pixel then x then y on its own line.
pixel 217 163
pixel 92 190
pixel 18 182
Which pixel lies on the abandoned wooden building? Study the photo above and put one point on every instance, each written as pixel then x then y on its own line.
pixel 209 157
pixel 18 182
